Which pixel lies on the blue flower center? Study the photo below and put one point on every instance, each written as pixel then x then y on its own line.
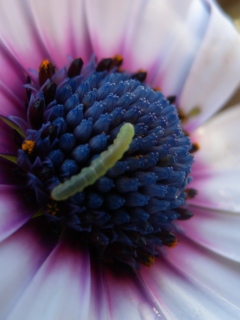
pixel 76 114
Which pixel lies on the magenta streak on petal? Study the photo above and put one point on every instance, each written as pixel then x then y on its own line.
pixel 14 209
pixel 61 285
pixel 7 172
pixel 10 103
pixel 12 72
pixel 128 298
pixel 7 144
pixel 21 256
pixel 21 37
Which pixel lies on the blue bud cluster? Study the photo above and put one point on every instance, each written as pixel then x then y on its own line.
pixel 127 214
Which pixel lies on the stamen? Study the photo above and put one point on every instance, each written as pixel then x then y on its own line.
pixel 36 111
pixel 140 75
pixel 195 147
pixel 191 193
pixel 46 71
pixel 75 68
pixel 28 146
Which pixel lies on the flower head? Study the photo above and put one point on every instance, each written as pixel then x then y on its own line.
pixel 96 160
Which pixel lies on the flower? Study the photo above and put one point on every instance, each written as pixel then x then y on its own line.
pixel 183 52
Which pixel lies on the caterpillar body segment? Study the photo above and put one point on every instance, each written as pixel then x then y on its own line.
pixel 98 167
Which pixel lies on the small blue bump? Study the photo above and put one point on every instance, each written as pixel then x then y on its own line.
pixel 94 200
pixel 118 90
pixel 117 117
pixel 162 173
pixel 148 142
pixel 92 79
pixel 120 217
pixel 100 218
pixel 131 115
pixel 173 130
pixel 160 122
pixel 140 129
pixel 156 205
pixel 125 184
pixel 172 141
pixel 98 143
pixel 139 214
pixel 148 119
pixel 104 184
pixel 61 124
pixel 84 130
pixel 78 198
pixel 135 145
pixel 140 92
pixel 133 163
pixel 154 190
pixel 162 150
pixel 89 98
pixel 71 102
pixel 82 90
pixel 159 133
pixel 155 96
pixel 133 84
pixel 105 90
pixel 125 100
pixel 136 199
pixel 150 160
pixel 176 203
pixel 145 178
pixel 74 117
pixel 119 168
pixel 75 82
pixel 155 107
pixel 110 102
pixel 171 192
pixel 55 112
pixel 62 94
pixel 67 142
pixel 57 157
pixel 69 168
pixel 102 124
pixel 81 153
pixel 114 201
pixel 94 111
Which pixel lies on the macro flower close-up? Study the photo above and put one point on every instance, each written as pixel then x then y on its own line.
pixel 119 170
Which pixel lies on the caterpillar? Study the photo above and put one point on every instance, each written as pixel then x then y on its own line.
pixel 98 167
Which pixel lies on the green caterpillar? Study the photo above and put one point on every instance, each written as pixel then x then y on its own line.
pixel 98 167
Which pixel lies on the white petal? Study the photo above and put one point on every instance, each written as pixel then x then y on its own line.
pixel 219 142
pixel 148 34
pixel 19 33
pixel 181 295
pixel 216 230
pixel 36 30
pixel 62 28
pixel 214 74
pixel 200 265
pixel 216 170
pixel 59 290
pixel 21 256
pixel 109 24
